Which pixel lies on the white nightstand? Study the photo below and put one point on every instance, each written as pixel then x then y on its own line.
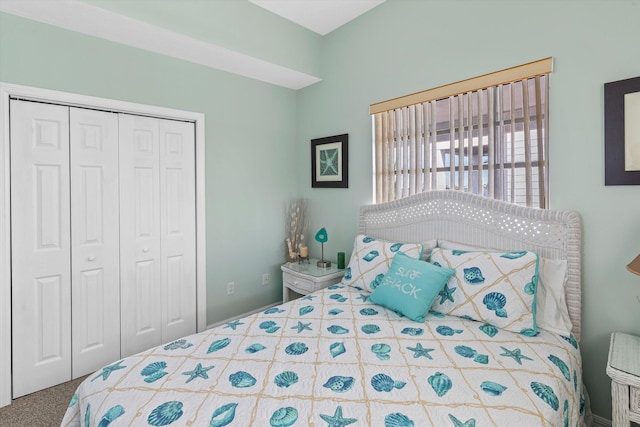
pixel 623 367
pixel 305 278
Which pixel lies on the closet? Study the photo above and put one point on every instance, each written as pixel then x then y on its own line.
pixel 103 244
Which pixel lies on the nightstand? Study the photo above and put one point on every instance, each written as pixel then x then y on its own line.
pixel 305 278
pixel 623 367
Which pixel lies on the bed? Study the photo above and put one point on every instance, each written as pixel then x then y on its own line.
pixel 335 358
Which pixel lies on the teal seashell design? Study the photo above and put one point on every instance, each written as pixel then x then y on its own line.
pixel 370 329
pixel 377 281
pixel 383 382
pixel 545 393
pixel 338 330
pixel 565 413
pixel 178 344
pixel 165 414
pixel 395 247
pixel 155 377
pixel 490 330
pixel 481 358
pixel 335 311
pixel 273 310
pixel 305 310
pixel 113 413
pixel 336 349
pixel 514 255
pixel 339 384
pixel 530 288
pixel 414 332
pixel 242 379
pixel 492 389
pixel 272 329
pixel 367 239
pixel 440 383
pixel 284 417
pixel 334 287
pixel 473 276
pixel 267 324
pixel 397 419
pixel 465 351
pixel 494 300
pixel 561 365
pixel 528 332
pixel 296 349
pixel 74 400
pixel 575 381
pixel 368 311
pixel 152 368
pixel 338 297
pixel 458 252
pixel 254 348
pixel 381 351
pixel 286 379
pixel 347 273
pixel 447 331
pixel 218 345
pixel 471 422
pixel 223 415
pixel 571 340
pixel 371 256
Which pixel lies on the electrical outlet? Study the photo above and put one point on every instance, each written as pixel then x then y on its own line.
pixel 231 288
pixel 265 279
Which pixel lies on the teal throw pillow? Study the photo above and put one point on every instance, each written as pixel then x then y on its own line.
pixel 410 286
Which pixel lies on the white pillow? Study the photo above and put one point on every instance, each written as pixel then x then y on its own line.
pixel 551 311
pixel 371 259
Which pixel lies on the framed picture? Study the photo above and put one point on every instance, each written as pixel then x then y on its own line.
pixel 329 162
pixel 622 132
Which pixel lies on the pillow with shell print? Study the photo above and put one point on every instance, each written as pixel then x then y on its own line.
pixel 498 288
pixel 371 259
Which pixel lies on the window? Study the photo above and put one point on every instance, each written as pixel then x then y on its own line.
pixel 486 135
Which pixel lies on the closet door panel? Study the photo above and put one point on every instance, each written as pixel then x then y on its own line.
pixel 40 246
pixel 178 218
pixel 140 263
pixel 95 241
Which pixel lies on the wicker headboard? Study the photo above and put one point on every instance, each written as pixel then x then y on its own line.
pixel 482 222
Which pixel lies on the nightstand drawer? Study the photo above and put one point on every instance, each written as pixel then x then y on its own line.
pixel 634 400
pixel 298 283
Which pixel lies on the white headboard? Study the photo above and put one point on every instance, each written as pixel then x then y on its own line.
pixel 482 222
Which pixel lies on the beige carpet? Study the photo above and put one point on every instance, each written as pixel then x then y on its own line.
pixel 41 409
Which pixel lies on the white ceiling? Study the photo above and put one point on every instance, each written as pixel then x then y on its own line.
pixel 320 16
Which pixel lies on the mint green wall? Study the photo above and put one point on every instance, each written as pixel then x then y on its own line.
pixel 406 46
pixel 250 142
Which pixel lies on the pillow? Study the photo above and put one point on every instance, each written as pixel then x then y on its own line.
pixel 410 286
pixel 371 259
pixel 498 288
pixel 551 307
pixel 427 247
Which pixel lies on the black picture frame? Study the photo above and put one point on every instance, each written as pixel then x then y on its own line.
pixel 615 147
pixel 330 162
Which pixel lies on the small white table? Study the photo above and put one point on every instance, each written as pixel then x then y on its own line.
pixel 305 278
pixel 623 367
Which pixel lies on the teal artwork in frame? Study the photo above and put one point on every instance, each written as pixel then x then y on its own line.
pixel 329 162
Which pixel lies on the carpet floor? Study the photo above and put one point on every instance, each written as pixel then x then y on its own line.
pixel 43 408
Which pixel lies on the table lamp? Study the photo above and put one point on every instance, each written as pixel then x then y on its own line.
pixel 634 266
pixel 322 236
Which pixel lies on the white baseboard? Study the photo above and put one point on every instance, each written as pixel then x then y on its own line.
pixel 599 421
pixel 249 313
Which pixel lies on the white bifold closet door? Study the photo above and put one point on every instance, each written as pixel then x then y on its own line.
pixel 64 194
pixel 157 231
